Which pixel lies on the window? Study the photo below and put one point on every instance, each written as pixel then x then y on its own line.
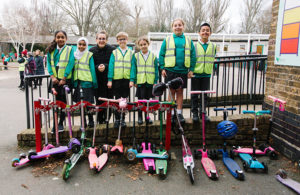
pixel 225 47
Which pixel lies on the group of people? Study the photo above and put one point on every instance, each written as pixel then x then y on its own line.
pixel 30 64
pixel 105 71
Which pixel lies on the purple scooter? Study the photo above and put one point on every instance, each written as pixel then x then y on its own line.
pixel 73 144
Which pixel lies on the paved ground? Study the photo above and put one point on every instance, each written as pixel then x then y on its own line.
pixel 118 177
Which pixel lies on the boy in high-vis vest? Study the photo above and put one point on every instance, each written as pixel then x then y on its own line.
pixel 22 62
pixel 84 76
pixel 201 72
pixel 60 64
pixel 146 75
pixel 119 72
pixel 176 56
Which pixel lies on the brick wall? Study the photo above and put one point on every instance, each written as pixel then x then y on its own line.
pixel 283 82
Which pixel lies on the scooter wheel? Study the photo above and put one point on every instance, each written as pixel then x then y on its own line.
pixel 282 173
pixel 189 170
pixel 65 172
pixel 266 169
pixel 87 151
pixel 240 175
pixel 213 175
pixel 273 155
pixel 162 175
pixel 245 166
pixel 231 153
pixel 130 156
pixel 14 162
pixel 30 154
pixel 75 148
pixel 23 155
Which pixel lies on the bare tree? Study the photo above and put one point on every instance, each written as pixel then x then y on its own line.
pixel 136 17
pixel 169 5
pixel 249 15
pixel 82 13
pixel 194 15
pixel 264 20
pixel 159 16
pixel 217 9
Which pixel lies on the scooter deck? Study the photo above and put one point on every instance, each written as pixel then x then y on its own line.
pixel 161 164
pixel 93 159
pixel 44 153
pixel 208 166
pixel 294 185
pixel 148 162
pixel 250 151
pixel 102 159
pixel 253 164
pixel 151 155
pixel 231 165
pixel 74 158
pixel 117 148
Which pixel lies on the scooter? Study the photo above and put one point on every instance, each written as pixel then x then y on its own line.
pixel 146 151
pixel 228 129
pixel 208 165
pixel 188 160
pixel 97 163
pixel 122 104
pixel 71 162
pixel 265 148
pixel 282 177
pixel 73 144
pixel 23 159
pixel 251 162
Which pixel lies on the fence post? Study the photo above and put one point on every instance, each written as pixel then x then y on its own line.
pixel 37 116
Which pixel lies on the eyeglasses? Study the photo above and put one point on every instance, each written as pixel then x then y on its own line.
pixel 122 39
pixel 102 39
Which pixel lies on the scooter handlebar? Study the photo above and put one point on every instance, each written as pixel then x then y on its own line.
pixel 198 92
pixel 221 109
pixel 248 112
pixel 110 100
pixel 261 112
pixel 146 101
pixel 44 99
pixel 274 99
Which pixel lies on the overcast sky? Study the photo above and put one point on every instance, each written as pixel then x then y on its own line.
pixel 233 12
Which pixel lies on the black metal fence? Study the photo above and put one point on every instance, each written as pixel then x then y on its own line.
pixel 237 80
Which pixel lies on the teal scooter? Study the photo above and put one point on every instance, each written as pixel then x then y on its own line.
pixel 251 162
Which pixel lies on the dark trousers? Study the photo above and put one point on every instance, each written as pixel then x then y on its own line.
pixel 121 89
pixel 21 78
pixel 199 84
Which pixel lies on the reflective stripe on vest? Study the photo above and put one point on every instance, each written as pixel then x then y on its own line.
pixel 170 58
pixel 145 69
pixel 122 64
pixel 62 63
pixel 82 70
pixel 205 60
pixel 22 66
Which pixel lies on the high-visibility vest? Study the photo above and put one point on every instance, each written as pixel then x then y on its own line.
pixel 205 60
pixel 62 63
pixel 170 57
pixel 82 68
pixel 145 69
pixel 122 64
pixel 22 66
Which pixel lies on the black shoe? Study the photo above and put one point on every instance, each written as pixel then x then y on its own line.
pixel 181 119
pixel 140 118
pixel 91 124
pixel 116 124
pixel 123 124
pixel 195 118
pixel 19 86
pixel 35 87
pixel 60 128
pixel 173 119
pixel 206 119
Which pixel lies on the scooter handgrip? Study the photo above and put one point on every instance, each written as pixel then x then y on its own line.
pixel 233 108
pixel 166 103
pixel 276 99
pixel 106 100
pixel 198 92
pixel 67 88
pixel 218 109
pixel 248 112
pixel 146 101
pixel 261 112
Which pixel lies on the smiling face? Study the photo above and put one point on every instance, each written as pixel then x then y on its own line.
pixel 143 45
pixel 178 27
pixel 82 45
pixel 60 39
pixel 204 33
pixel 101 40
pixel 122 41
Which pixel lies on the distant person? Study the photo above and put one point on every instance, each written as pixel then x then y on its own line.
pixel 5 62
pixel 84 76
pixel 101 55
pixel 30 66
pixel 119 73
pixel 22 62
pixel 202 70
pixel 176 56
pixel 145 68
pixel 39 67
pixel 60 64
pixel 2 55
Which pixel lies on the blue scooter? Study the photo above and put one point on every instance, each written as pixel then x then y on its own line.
pixel 228 129
pixel 250 162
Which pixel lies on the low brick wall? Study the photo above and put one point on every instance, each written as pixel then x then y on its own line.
pixel 193 132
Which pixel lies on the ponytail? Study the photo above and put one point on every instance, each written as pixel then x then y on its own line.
pixel 51 47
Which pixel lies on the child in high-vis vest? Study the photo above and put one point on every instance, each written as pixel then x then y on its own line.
pixel 84 75
pixel 176 56
pixel 145 69
pixel 119 72
pixel 22 62
pixel 60 63
pixel 201 72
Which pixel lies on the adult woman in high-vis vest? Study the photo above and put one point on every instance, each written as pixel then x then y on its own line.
pixel 60 63
pixel 176 56
pixel 201 72
pixel 84 75
pixel 120 72
pixel 146 75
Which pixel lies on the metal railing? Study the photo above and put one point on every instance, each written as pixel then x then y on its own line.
pixel 237 80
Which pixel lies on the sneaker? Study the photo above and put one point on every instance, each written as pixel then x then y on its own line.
pixel 123 124
pixel 116 124
pixel 195 118
pixel 91 124
pixel 206 119
pixel 181 119
pixel 60 128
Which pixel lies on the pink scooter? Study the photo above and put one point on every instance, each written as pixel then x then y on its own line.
pixel 207 163
pixel 265 149
pixel 148 148
pixel 97 163
pixel 122 105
